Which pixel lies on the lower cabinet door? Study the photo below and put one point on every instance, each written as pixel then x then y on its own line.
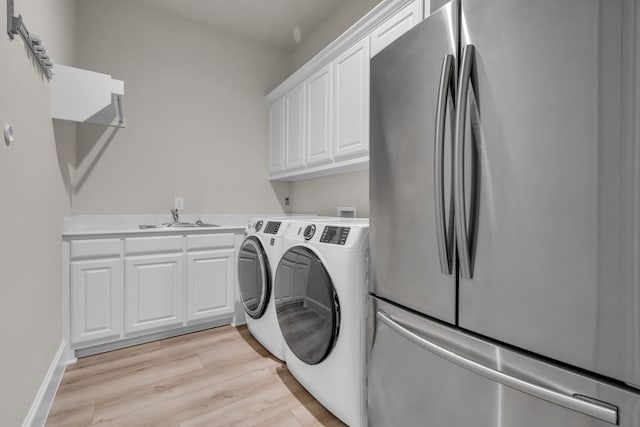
pixel 210 279
pixel 154 294
pixel 96 295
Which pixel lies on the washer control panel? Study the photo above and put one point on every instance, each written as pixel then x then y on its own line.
pixel 335 235
pixel 272 227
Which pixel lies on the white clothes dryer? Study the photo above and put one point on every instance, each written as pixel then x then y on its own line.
pixel 320 290
pixel 257 261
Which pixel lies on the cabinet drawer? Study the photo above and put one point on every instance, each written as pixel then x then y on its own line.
pixel 210 241
pixel 136 245
pixel 95 248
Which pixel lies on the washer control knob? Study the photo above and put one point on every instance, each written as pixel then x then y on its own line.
pixel 309 231
pixel 258 225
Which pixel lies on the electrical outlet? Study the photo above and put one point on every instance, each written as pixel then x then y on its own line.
pixel 179 203
pixel 286 201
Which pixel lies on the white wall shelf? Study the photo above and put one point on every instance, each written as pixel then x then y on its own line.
pixel 87 97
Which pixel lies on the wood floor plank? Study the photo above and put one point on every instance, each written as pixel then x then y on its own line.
pixel 106 387
pixel 190 405
pixel 71 415
pixel 98 359
pixel 314 414
pixel 197 342
pixel 285 419
pixel 238 413
pixel 220 377
pixel 172 388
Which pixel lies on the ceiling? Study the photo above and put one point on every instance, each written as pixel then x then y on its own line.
pixel 271 22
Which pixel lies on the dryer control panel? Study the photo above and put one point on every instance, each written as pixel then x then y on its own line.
pixel 334 235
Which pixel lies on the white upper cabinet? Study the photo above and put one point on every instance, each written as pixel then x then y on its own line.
pixel 398 24
pixel 294 128
pixel 319 97
pixel 351 112
pixel 276 136
pixel 319 117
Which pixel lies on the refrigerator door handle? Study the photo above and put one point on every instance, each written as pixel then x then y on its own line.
pixel 576 402
pixel 447 85
pixel 468 54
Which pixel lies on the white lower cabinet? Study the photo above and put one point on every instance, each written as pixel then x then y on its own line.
pixel 210 279
pixel 154 291
pixel 129 288
pixel 96 291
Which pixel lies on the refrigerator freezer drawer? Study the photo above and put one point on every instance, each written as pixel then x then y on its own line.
pixel 424 373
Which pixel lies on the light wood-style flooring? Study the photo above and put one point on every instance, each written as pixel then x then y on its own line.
pixel 217 377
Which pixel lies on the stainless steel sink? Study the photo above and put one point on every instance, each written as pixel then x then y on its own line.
pixel 196 224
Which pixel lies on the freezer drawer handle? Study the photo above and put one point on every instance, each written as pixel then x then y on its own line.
pixel 590 407
pixel 447 85
pixel 468 54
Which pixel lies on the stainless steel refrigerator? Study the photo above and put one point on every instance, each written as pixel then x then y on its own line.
pixel 505 217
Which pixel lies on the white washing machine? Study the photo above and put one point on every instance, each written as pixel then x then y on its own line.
pixel 320 290
pixel 257 261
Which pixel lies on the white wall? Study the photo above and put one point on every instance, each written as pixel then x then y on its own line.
pixel 34 200
pixel 324 195
pixel 195 110
pixel 339 21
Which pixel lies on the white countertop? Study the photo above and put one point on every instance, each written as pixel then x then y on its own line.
pixel 97 225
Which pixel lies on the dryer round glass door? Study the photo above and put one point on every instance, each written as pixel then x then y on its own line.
pixel 307 305
pixel 253 277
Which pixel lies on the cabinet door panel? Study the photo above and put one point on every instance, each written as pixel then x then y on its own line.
pixel 351 114
pixel 96 300
pixel 210 279
pixel 294 128
pixel 276 136
pixel 154 292
pixel 319 117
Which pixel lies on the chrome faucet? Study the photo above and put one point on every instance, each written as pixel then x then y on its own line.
pixel 176 215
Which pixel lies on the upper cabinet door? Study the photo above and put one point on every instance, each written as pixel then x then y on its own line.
pixel 351 91
pixel 276 136
pixel 294 129
pixel 397 25
pixel 319 116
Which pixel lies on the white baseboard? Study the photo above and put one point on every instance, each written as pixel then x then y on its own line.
pixel 37 415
